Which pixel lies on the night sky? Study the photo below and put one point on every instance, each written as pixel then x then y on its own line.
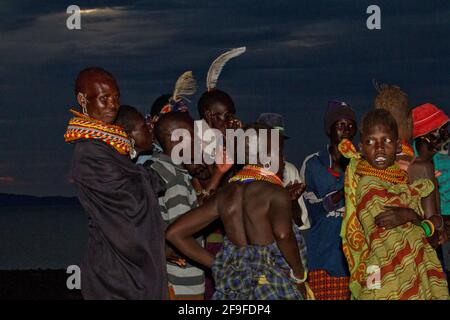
pixel 300 54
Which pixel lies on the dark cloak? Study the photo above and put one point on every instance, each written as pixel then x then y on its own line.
pixel 125 256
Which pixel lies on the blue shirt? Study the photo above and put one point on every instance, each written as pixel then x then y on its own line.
pixel 323 239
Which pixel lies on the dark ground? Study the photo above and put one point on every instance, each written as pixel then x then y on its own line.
pixel 36 285
pixel 40 285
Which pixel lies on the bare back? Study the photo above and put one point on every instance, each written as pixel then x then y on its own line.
pixel 247 211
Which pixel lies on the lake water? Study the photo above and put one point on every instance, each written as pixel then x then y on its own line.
pixel 42 237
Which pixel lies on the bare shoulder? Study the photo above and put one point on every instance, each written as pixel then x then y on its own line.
pixel 269 191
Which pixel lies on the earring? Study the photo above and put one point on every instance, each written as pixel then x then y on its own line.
pixel 83 103
pixel 426 139
pixel 133 152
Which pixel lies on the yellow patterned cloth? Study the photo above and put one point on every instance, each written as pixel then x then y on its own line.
pixel 401 262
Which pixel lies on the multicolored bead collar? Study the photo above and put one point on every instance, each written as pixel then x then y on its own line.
pixel 252 173
pixel 83 127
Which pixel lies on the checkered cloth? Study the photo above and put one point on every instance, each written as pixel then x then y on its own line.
pixel 255 272
pixel 326 287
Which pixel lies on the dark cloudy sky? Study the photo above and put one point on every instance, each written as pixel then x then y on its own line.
pixel 300 54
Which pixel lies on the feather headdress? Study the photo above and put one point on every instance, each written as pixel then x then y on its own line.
pixel 185 86
pixel 216 67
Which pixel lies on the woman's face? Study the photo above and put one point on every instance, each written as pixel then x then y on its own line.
pixel 379 146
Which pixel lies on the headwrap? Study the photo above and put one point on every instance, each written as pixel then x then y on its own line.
pixel 83 127
pixel 185 86
pixel 426 118
pixel 337 110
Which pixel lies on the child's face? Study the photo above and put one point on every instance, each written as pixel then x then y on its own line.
pixel 379 146
pixel 142 136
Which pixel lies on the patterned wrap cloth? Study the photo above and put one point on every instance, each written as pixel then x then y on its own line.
pixel 408 266
pixel 255 272
pixel 326 287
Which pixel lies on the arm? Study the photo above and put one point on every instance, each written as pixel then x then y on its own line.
pixel 431 203
pixel 295 190
pixel 180 233
pixel 281 221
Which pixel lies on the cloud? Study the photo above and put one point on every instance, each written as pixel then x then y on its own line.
pixel 299 55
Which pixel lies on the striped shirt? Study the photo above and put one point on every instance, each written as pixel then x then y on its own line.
pixel 179 198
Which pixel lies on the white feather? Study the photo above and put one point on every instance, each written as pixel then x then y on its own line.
pixel 185 86
pixel 216 67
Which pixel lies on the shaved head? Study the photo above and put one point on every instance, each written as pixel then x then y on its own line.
pixel 168 123
pixel 89 75
pixel 98 94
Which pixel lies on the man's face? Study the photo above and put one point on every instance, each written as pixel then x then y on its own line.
pixel 342 129
pixel 220 116
pixel 379 146
pixel 439 138
pixel 143 138
pixel 103 100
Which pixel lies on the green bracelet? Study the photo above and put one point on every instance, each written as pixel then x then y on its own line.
pixel 426 228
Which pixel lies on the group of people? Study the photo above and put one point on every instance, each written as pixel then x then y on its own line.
pixel 353 223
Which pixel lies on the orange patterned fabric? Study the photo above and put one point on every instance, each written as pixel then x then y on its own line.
pixel 326 287
pixel 408 267
pixel 83 127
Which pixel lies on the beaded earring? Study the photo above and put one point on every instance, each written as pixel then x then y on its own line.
pixel 133 152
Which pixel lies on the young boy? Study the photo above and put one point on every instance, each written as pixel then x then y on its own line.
pixel 384 236
pixel 263 254
pixel 185 282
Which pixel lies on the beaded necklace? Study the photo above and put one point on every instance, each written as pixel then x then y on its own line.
pixel 84 127
pixel 393 174
pixel 407 149
pixel 252 173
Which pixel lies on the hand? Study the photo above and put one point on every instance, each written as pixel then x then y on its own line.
pixel 396 216
pixel 225 162
pixel 434 240
pixel 337 196
pixel 172 257
pixel 234 123
pixel 443 237
pixel 177 260
pixel 295 189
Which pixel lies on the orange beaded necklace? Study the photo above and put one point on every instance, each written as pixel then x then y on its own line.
pixel 252 173
pixel 83 127
pixel 393 174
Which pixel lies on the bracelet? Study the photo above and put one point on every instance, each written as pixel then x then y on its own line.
pixel 441 225
pixel 297 280
pixel 428 227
